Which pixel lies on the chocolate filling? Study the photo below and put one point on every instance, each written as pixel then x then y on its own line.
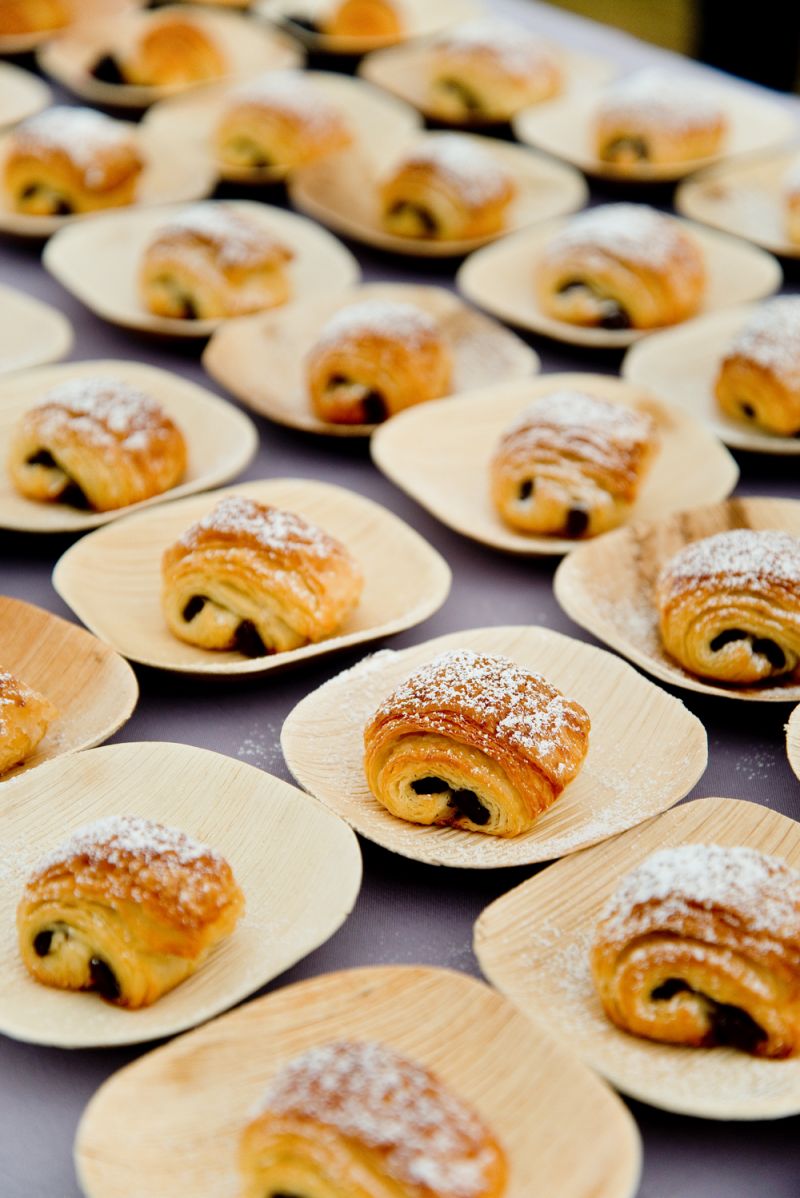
pixel 107 70
pixel 72 494
pixel 730 1026
pixel 246 147
pixel 104 980
pixel 612 315
pixel 429 786
pixel 747 410
pixel 58 205
pixel 727 638
pixel 525 489
pixel 577 522
pixel 187 309
pixel 628 147
pixel 42 457
pixel 426 219
pixel 373 406
pixel 248 641
pixel 462 93
pixel 301 22
pixel 42 942
pixel 467 804
pixel 193 608
pixel 759 644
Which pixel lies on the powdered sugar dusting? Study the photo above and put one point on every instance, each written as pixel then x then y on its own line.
pixel 514 48
pixel 743 558
pixel 770 338
pixel 631 232
pixel 274 529
pixel 476 173
pixel 13 693
pixel 104 412
pixel 236 240
pixel 292 94
pixel 84 135
pixel 388 319
pixel 655 96
pixel 577 409
pixel 370 1094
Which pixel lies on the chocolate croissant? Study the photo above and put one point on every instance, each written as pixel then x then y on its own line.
pixel 374 358
pixel 357 1120
pixel 96 443
pixel 126 908
pixel 621 266
pixel 373 20
pixel 700 945
pixel 476 742
pixel 168 50
pixel 729 606
pixel 572 465
pixel 25 716
pixel 252 578
pixel 759 377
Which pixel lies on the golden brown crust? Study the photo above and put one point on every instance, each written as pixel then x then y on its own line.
pixel 71 160
pixel 96 442
pixel 621 266
pixel 448 187
pixel 374 20
pixel 20 17
pixel 700 945
pixel 572 465
pixel 759 377
pixel 147 902
pixel 729 606
pixel 474 741
pixel 374 358
pixel 25 716
pixel 171 51
pixel 360 1119
pixel 252 577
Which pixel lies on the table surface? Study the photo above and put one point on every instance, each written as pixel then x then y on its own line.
pixel 407 913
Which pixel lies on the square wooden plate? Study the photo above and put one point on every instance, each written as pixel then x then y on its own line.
pixel 31 333
pixel 21 94
pixel 422 18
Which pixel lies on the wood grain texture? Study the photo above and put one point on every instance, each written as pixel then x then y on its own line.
pixel 482 350
pixel 440 454
pixel 112 578
pixel 646 750
pixel 169 1124
pixel 31 333
pixel 681 366
pixel 247 48
pixel 21 94
pixel 98 262
pixel 608 587
pixel 221 441
pixel 92 687
pixel 344 194
pixel 276 840
pixel 744 197
pixel 422 19
pixel 564 128
pixel 534 947
pixel 499 279
pixel 370 114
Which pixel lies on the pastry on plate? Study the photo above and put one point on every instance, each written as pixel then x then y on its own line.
pixel 572 465
pixel 127 908
pixel 70 160
pixel 700 946
pixel 759 377
pixel 621 266
pixel 258 580
pixel 447 188
pixel 373 20
pixel 357 1119
pixel 487 70
pixel 21 17
pixel 729 606
pixel 211 262
pixel 279 121
pixel 25 716
pixel 169 50
pixel 96 443
pixel 374 358
pixel 476 742
pixel 655 117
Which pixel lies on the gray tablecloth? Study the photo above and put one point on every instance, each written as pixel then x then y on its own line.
pixel 407 913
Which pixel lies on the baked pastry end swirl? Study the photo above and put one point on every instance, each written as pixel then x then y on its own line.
pixel 476 742
pixel 729 606
pixel 25 716
pixel 700 946
pixel 358 1119
pixel 127 908
pixel 253 578
pixel 759 377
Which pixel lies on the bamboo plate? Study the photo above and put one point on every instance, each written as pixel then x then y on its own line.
pixel 646 750
pixel 274 838
pixel 221 441
pixel 607 587
pixel 404 71
pixel 342 192
pixel 93 689
pixel 112 578
pixel 169 1124
pixel 534 947
pixel 21 94
pixel 31 332
pixel 422 18
pixel 371 115
pixel 746 198
pixel 564 128
pixel 246 46
pixel 793 741
pixel 81 10
pixel 260 359
pixel 499 278
pixel 167 178
pixel 98 262
pixel 440 454
pixel 681 366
